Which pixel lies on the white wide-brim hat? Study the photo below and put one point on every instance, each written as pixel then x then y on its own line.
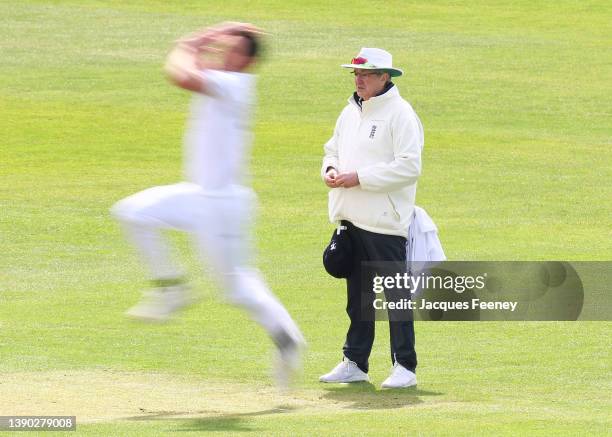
pixel 374 59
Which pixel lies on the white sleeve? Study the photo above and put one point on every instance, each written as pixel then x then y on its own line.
pixel 405 169
pixel 331 149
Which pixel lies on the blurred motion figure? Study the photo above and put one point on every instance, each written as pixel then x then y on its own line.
pixel 213 205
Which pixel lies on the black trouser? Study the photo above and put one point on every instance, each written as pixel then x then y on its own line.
pixel 370 246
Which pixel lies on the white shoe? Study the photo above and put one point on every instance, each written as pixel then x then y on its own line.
pixel 159 304
pixel 288 361
pixel 400 378
pixel 346 371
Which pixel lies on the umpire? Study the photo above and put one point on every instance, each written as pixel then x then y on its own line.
pixel 371 164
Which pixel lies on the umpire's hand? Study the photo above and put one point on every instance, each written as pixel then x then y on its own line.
pixel 330 177
pixel 347 180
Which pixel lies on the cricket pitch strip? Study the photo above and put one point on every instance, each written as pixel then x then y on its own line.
pixel 107 395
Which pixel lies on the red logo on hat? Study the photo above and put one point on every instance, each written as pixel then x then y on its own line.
pixel 359 61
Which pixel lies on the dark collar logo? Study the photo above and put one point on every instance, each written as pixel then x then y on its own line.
pixel 373 131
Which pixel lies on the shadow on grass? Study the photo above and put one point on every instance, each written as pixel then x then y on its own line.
pixel 365 396
pixel 229 422
pixel 237 422
pixel 356 396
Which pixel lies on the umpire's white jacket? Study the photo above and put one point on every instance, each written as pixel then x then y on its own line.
pixel 382 141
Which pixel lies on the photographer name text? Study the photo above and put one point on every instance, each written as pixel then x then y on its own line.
pixel 407 304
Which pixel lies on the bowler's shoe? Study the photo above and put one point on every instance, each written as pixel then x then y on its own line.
pixel 346 371
pixel 288 361
pixel 159 304
pixel 400 378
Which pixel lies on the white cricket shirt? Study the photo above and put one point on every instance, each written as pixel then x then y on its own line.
pixel 218 135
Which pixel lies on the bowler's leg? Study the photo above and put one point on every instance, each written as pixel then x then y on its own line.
pixel 143 216
pixel 222 239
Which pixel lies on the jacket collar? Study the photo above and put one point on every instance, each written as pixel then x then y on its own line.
pixel 388 92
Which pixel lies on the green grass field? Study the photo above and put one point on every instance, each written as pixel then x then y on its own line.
pixel 515 97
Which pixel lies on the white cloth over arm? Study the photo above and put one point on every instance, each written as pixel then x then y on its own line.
pixel 423 244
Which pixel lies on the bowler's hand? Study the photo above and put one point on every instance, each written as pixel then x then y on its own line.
pixel 330 178
pixel 211 35
pixel 347 180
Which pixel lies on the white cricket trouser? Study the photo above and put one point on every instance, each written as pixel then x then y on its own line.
pixel 220 223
